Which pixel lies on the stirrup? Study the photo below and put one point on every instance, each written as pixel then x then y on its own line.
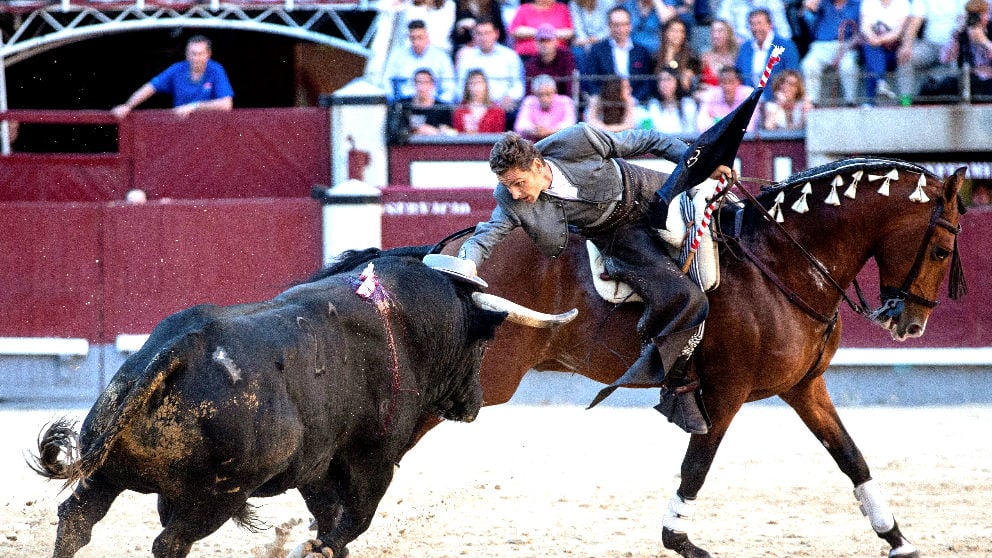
pixel 686 410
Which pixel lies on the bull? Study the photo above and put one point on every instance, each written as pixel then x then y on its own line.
pixel 318 389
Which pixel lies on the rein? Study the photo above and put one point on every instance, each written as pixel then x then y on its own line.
pixel 892 298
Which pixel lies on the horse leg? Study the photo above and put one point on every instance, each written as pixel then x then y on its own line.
pixel 87 505
pixel 812 403
pixel 696 464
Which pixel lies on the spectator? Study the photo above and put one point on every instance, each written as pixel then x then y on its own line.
pixel 613 108
pixel 421 115
pixel 532 15
pixel 197 83
pixel 619 56
pixel 477 114
pixel 420 53
pixel 833 25
pixel 467 14
pixel 738 13
pixel 673 111
pixel 971 44
pixel 921 53
pixel 438 17
pixel 676 53
pixel 715 103
pixel 589 18
pixel 722 52
pixel 790 105
pixel 551 59
pixel 882 23
pixel 545 111
pixel 503 68
pixel 753 57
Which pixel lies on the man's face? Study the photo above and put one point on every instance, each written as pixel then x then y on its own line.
pixel 526 184
pixel 423 83
pixel 419 40
pixel 547 49
pixel 485 36
pixel 619 23
pixel 197 55
pixel 760 27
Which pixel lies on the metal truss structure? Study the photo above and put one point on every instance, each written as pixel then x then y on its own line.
pixel 28 28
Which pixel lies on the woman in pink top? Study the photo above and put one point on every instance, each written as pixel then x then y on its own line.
pixel 544 112
pixel 529 17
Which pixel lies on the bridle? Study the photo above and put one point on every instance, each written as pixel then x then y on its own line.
pixel 893 298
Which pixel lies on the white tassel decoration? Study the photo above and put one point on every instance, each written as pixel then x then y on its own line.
pixel 889 176
pixel 801 205
pixel 832 197
pixel 852 190
pixel 918 195
pixel 776 209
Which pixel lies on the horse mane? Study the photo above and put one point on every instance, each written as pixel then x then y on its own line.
pixel 845 166
pixel 353 259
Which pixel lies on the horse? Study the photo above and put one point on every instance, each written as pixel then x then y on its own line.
pixel 773 323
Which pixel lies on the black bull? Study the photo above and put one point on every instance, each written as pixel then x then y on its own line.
pixel 318 389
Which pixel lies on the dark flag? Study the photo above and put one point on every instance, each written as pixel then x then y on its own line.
pixel 716 146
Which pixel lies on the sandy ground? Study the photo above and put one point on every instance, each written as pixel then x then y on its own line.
pixel 557 481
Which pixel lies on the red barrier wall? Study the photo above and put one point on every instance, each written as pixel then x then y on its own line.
pixel 245 153
pixel 97 270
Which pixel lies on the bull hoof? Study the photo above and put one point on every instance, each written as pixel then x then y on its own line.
pixel 315 548
pixel 679 542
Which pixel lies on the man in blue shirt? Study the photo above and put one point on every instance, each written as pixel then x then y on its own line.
pixel 197 83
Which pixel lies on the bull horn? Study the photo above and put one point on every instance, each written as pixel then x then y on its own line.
pixel 521 314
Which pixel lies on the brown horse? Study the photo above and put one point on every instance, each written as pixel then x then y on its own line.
pixel 773 324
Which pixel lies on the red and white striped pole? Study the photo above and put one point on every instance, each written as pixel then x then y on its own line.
pixel 704 223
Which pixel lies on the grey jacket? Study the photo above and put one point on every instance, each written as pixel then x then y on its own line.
pixel 583 154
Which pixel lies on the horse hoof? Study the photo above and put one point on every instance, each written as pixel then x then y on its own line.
pixel 679 542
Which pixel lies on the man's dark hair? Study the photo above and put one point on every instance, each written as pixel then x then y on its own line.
pixel 200 39
pixel 762 11
pixel 617 9
pixel 416 24
pixel 512 152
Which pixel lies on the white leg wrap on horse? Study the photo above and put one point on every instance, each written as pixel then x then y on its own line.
pixel 679 514
pixel 874 506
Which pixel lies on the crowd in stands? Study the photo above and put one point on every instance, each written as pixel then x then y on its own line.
pixel 678 66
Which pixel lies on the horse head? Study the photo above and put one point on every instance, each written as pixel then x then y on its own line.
pixel 915 254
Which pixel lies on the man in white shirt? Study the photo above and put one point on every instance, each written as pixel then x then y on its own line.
pixel 939 19
pixel 737 12
pixel 404 61
pixel 502 66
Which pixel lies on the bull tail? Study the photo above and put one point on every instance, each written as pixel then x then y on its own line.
pixel 60 456
pixel 58 451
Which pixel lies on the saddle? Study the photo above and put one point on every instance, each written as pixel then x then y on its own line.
pixel 684 214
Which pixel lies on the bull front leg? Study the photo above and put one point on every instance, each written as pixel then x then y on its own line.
pixel 345 508
pixel 88 504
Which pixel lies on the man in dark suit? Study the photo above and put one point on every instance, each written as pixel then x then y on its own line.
pixel 619 56
pixel 578 179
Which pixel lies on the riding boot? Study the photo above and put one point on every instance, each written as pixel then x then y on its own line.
pixel 681 401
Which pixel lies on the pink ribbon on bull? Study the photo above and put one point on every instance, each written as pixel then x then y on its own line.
pixel 704 223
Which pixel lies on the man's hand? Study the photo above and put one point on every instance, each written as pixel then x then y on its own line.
pixel 723 171
pixel 121 111
pixel 182 111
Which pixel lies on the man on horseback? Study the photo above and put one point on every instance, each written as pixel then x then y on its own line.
pixel 577 180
